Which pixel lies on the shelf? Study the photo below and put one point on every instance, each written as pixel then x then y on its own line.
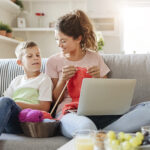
pixel 44 0
pixel 9 40
pixel 9 6
pixel 34 29
pixel 110 33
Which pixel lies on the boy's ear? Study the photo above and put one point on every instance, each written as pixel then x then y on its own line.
pixel 19 62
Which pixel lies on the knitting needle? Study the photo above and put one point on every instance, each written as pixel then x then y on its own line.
pixel 59 98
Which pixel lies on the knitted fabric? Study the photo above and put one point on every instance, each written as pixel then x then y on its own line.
pixel 46 115
pixel 74 87
pixel 23 114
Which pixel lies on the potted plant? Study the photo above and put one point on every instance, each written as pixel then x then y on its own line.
pixel 19 3
pixel 100 41
pixel 2 29
pixel 8 31
pixel 13 1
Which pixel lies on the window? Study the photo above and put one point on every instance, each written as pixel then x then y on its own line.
pixel 136 35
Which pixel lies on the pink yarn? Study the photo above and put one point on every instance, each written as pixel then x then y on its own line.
pixel 34 116
pixel 29 115
pixel 23 113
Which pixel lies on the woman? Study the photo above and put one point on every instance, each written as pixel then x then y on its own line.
pixel 76 38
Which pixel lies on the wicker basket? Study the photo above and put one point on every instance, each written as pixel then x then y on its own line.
pixel 40 129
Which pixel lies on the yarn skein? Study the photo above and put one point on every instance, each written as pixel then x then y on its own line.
pixel 29 115
pixel 23 114
pixel 34 116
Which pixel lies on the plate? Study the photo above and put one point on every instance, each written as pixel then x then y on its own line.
pixel 142 147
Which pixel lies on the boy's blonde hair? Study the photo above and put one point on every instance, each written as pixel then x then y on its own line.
pixel 22 46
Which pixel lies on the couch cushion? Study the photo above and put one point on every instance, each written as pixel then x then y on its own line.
pixel 135 66
pixel 19 142
pixel 122 66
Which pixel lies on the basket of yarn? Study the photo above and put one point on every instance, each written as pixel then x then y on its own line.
pixel 38 124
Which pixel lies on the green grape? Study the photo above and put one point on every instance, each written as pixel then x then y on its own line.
pixel 115 147
pixel 121 136
pixel 126 145
pixel 140 135
pixel 139 140
pixel 124 141
pixel 115 142
pixel 111 135
pixel 127 137
pixel 135 142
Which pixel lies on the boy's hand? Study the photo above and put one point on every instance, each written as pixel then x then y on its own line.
pixel 94 71
pixel 68 72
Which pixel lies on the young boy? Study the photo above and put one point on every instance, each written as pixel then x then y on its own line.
pixel 31 90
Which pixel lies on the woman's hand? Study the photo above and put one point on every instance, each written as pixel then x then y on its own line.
pixel 94 71
pixel 68 72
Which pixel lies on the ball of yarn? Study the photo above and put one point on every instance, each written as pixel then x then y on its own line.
pixel 34 116
pixel 23 113
pixel 48 120
pixel 46 115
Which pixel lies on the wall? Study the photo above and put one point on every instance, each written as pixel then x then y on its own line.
pixel 94 8
pixel 7 16
pixel 52 9
pixel 108 8
pixel 7 51
pixel 55 8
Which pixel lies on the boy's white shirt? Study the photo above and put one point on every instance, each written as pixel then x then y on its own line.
pixel 42 83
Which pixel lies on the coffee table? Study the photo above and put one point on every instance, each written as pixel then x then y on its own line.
pixel 68 146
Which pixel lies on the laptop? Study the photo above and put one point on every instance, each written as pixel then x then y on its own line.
pixel 105 96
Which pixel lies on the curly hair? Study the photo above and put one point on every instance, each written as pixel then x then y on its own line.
pixel 75 24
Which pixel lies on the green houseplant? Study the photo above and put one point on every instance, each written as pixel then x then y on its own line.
pixel 2 29
pixel 5 30
pixel 19 3
pixel 100 41
pixel 8 31
pixel 13 1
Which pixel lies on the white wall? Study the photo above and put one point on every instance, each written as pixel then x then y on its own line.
pixel 94 8
pixel 108 8
pixel 55 8
pixel 7 16
pixel 52 10
pixel 7 49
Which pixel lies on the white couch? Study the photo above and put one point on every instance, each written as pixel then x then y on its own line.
pixel 121 66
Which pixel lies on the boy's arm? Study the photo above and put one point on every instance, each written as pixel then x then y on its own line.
pixel 43 105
